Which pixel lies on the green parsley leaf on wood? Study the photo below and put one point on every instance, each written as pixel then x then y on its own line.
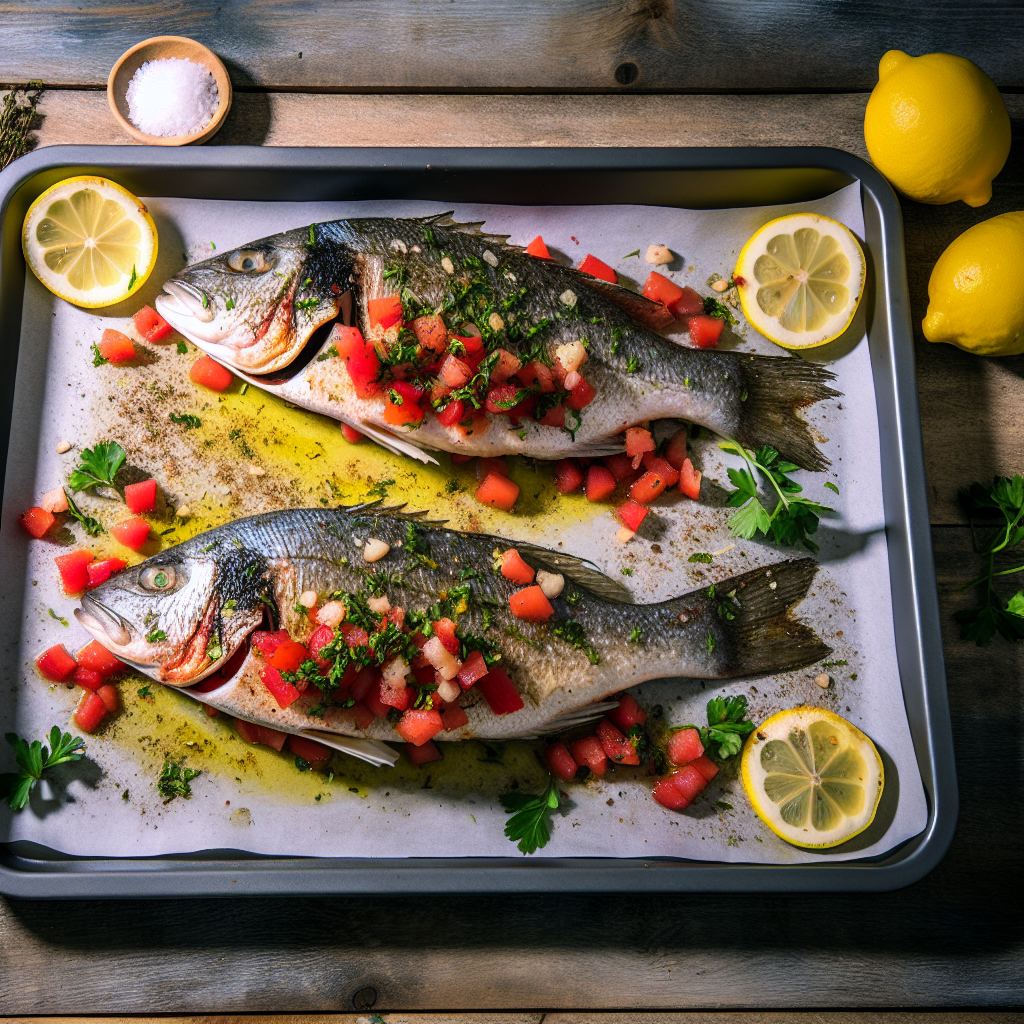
pixel 530 824
pixel 33 759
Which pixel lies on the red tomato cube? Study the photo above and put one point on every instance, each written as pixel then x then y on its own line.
pixel 384 312
pixel 141 497
pixel 515 569
pixel 473 668
pixel 402 413
pixel 581 396
pixel 451 414
pixel 600 483
pixel 627 714
pixel 597 268
pixel 705 331
pixel 536 376
pixel 656 464
pixel 490 465
pixel 37 521
pixel 110 697
pixel 416 727
pixel 659 288
pixel 539 249
pixel 271 737
pixel 431 333
pixel 210 374
pixel 560 761
pixel 150 324
pixel 100 572
pixel 615 745
pixel 266 643
pixel 87 678
pixel 678 791
pixel 132 533
pixel 684 746
pixel 631 514
pixel 288 656
pixel 554 417
pixel 705 766
pixel 248 731
pixel 675 451
pixel 309 750
pixel 588 751
pixel 360 359
pixel 116 347
pixel 620 467
pixel 453 717
pixel 74 574
pixel 424 753
pixel 318 640
pixel 444 630
pixel 56 664
pixel 374 703
pixel 499 691
pixel 498 492
pixel 350 434
pixel 395 697
pixel 284 693
pixel 647 488
pixel 568 476
pixel 95 656
pixel 688 304
pixel 638 441
pixel 362 716
pixel 531 604
pixel 90 712
pixel 689 480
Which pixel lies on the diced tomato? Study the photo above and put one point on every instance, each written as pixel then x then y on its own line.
pixel 90 712
pixel 554 417
pixel 288 656
pixel 309 750
pixel 589 751
pixel 87 678
pixel 497 491
pixel 132 533
pixel 361 715
pixel 395 697
pixel 210 374
pixel 140 497
pixel 451 413
pixel 374 703
pixel 115 347
pixel 266 643
pixel 684 746
pixel 350 434
pixel 416 727
pixel 423 754
pixel 431 333
pixel 581 396
pixel 705 766
pixel 627 714
pixel 648 487
pixel 631 514
pixel 705 330
pixel 453 717
pixel 537 376
pixel 402 412
pixel 318 640
pixel 678 791
pixel 499 691
pixel 568 476
pixel 560 761
pixel 150 324
pixel 491 465
pixel 515 569
pixel 56 664
pixel 689 480
pixel 620 466
pixel 659 288
pixel 615 745
pixel 100 572
pixel 355 636
pixel 539 249
pixel 361 359
pixel 74 574
pixel 662 467
pixel 95 656
pixel 406 390
pixel 530 604
pixel 284 693
pixel 248 731
pixel 271 737
pixel 37 521
pixel 110 697
pixel 473 668
pixel 453 372
pixel 501 399
pixel 475 423
pixel 597 268
pixel 472 343
pixel 505 365
pixel 638 441
pixel 675 451
pixel 600 482
pixel 688 304
pixel 384 312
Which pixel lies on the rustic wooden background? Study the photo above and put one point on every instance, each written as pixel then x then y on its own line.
pixel 745 73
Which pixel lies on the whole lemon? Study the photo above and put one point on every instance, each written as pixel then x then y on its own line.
pixel 976 291
pixel 937 127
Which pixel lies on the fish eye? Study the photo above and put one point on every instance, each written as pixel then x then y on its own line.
pixel 248 261
pixel 157 578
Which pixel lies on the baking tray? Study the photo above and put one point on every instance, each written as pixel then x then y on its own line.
pixel 694 178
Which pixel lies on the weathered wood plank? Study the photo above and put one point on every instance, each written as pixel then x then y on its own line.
pixel 951 940
pixel 518 45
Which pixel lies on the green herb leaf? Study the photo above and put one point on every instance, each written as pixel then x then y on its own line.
pixel 93 527
pixel 182 347
pixel 635 252
pixel 712 307
pixel 175 780
pixel 700 556
pixel 59 618
pixel 97 466
pixel 33 759
pixel 831 486
pixel 98 359
pixel 187 420
pixel 133 278
pixel 530 824
pixel 156 636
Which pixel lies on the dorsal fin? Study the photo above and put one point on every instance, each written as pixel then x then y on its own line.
pixel 472 229
pixel 579 570
pixel 645 311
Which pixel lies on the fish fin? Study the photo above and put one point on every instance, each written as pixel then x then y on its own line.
pixel 445 222
pixel 376 753
pixel 579 570
pixel 775 388
pixel 599 447
pixel 762 636
pixel 394 443
pixel 376 507
pixel 581 716
pixel 645 311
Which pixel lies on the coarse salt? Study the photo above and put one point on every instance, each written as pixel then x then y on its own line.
pixel 172 96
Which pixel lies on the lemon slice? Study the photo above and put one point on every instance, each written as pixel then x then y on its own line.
pixel 812 777
pixel 800 279
pixel 89 241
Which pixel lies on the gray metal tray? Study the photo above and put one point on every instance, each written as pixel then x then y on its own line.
pixel 695 178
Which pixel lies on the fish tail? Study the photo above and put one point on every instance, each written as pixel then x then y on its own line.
pixel 754 621
pixel 775 389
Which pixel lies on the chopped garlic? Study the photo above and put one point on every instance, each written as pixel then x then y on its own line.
pixel 470 331
pixel 659 255
pixel 446 664
pixel 568 298
pixel 447 266
pixel 448 691
pixel 257 471
pixel 183 512
pixel 394 672
pixel 331 614
pixel 54 501
pixel 399 246
pixel 572 381
pixel 625 535
pixel 374 550
pixel 307 598
pixel 823 680
pixel 63 446
pixel 495 322
pixel 720 285
pixel 490 257
pixel 550 583
pixel 379 605
pixel 571 356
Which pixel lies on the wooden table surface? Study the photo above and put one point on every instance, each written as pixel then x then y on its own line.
pixel 526 73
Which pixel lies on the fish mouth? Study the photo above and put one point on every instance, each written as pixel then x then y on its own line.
pixel 182 299
pixel 108 628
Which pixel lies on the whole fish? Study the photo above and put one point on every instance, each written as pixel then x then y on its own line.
pixel 188 615
pixel 266 311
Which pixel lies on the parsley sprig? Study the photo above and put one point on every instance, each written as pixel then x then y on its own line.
pixel 791 521
pixel 33 759
pixel 97 466
pixel 722 738
pixel 176 780
pixel 530 824
pixel 996 515
pixel 93 527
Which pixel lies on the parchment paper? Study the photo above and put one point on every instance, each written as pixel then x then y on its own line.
pixel 60 394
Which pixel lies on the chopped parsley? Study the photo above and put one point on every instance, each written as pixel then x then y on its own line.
pixel 722 738
pixel 530 823
pixel 712 307
pixel 98 359
pixel 156 636
pixel 182 347
pixel 187 420
pixel 59 618
pixel 176 780
pixel 575 635
pixel 93 527
pixel 700 556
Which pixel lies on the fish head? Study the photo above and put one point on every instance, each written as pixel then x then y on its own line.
pixel 255 308
pixel 180 615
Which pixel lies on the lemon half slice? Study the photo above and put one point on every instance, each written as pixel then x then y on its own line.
pixel 89 241
pixel 800 279
pixel 812 777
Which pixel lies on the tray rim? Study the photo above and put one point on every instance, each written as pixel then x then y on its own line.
pixel 190 875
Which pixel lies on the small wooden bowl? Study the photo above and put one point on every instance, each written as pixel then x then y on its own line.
pixel 158 48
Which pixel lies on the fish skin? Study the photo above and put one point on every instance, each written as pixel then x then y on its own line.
pixel 747 397
pixel 278 555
